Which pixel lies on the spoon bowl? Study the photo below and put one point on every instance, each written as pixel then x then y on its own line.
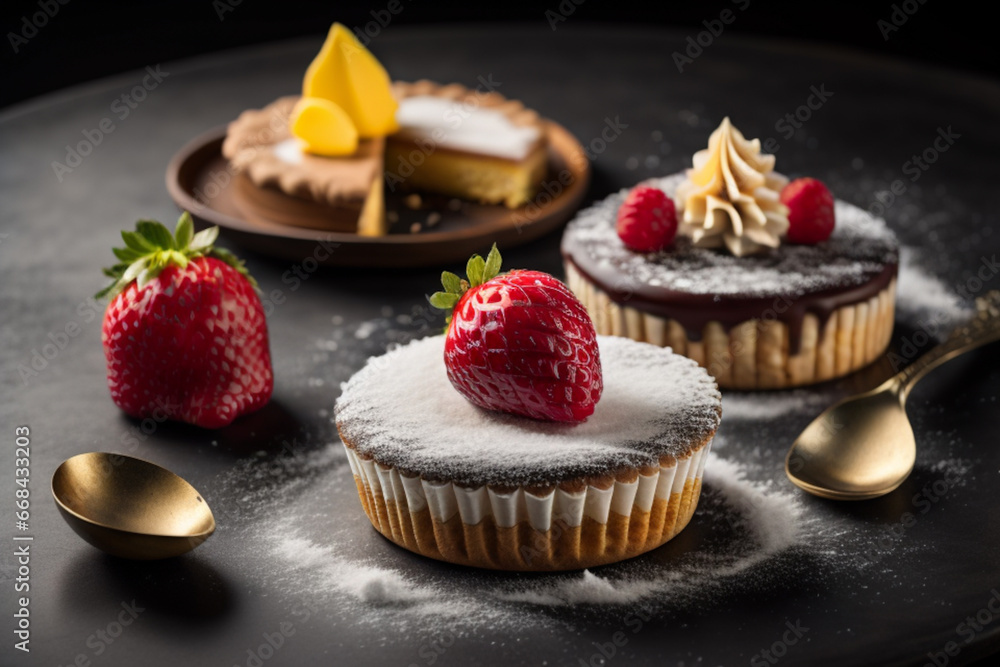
pixel 863 447
pixel 130 508
pixel 860 448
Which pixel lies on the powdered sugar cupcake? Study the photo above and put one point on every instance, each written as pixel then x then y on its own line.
pixel 559 450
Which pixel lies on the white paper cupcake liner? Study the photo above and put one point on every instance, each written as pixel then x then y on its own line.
pixel 522 530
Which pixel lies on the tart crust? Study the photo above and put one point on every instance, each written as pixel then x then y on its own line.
pixel 255 142
pixel 278 181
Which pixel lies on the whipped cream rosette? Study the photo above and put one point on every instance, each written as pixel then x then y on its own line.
pixel 731 196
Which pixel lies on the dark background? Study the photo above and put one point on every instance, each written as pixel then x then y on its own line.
pixel 85 40
pixel 88 39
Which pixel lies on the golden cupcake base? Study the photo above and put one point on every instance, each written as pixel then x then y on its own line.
pixel 755 353
pixel 404 510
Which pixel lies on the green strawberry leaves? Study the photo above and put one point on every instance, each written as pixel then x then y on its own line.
pixel 151 248
pixel 184 231
pixel 203 240
pixel 156 234
pixel 492 266
pixel 478 270
pixel 475 269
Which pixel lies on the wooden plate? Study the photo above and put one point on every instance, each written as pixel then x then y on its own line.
pixel 439 231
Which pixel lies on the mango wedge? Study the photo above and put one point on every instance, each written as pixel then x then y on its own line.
pixel 324 126
pixel 347 74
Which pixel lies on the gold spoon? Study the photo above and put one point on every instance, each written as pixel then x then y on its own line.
pixel 863 447
pixel 129 507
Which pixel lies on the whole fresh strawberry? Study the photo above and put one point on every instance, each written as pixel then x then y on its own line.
pixel 519 342
pixel 184 333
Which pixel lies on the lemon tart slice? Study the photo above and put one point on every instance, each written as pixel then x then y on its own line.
pixel 319 160
pixel 465 143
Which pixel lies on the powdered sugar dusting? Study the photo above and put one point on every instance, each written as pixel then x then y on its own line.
pixel 306 536
pixel 859 249
pixel 922 296
pixel 402 409
pixel 772 405
pixel 363 582
pixel 769 521
pixel 747 522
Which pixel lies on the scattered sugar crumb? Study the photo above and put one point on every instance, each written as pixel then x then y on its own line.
pixel 750 523
pixel 365 329
pixel 859 249
pixel 771 405
pixel 922 296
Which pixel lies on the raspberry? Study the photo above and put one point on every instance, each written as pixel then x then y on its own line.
pixel 810 211
pixel 647 221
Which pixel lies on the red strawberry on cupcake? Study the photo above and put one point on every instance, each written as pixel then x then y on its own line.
pixel 519 342
pixel 184 334
pixel 810 211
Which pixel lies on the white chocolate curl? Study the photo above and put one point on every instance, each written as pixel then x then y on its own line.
pixel 731 196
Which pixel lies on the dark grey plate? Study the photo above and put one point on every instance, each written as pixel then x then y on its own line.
pixel 879 588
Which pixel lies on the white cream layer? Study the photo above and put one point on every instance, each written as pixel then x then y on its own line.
pixel 289 150
pixel 464 127
pixel 508 509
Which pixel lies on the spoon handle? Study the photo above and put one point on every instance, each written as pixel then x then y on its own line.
pixel 983 328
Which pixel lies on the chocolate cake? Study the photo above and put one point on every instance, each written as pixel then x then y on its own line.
pixel 790 315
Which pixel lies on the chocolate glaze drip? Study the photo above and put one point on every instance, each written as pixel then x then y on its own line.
pixel 694 311
pixel 863 252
